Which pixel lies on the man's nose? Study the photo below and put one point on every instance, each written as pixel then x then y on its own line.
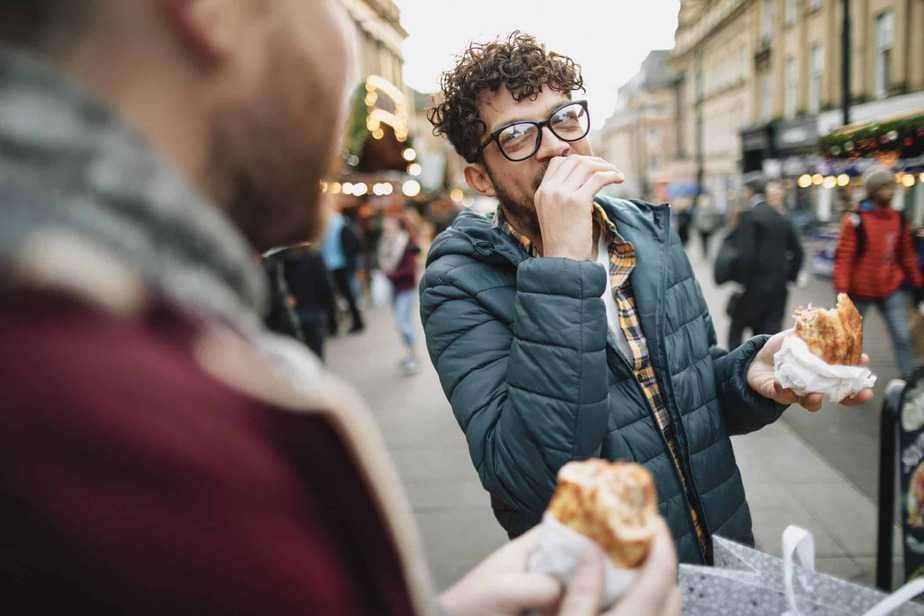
pixel 551 146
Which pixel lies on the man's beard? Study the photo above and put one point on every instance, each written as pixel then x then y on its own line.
pixel 268 157
pixel 520 210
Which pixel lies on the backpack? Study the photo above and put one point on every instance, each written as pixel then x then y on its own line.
pixel 856 218
pixel 726 265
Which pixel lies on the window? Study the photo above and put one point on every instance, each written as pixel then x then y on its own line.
pixel 766 26
pixel 815 5
pixel 885 39
pixel 816 71
pixel 791 91
pixel 766 92
pixel 791 9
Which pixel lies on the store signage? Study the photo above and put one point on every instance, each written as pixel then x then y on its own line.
pixel 911 472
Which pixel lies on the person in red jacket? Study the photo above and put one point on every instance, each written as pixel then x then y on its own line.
pixel 875 260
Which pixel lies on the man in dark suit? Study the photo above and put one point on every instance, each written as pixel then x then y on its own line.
pixel 770 257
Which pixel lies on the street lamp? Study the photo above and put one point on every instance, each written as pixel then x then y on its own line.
pixel 845 61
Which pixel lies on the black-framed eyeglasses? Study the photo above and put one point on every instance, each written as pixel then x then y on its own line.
pixel 520 140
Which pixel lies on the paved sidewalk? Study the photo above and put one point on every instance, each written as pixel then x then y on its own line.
pixel 786 481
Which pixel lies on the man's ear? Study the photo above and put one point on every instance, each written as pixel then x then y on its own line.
pixel 477 177
pixel 210 28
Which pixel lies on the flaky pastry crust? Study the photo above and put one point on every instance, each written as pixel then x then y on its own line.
pixel 612 503
pixel 836 335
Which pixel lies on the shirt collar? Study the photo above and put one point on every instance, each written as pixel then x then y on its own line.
pixel 609 229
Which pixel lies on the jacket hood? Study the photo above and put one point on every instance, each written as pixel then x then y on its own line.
pixel 475 235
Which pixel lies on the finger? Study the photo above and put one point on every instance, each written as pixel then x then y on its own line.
pixel 861 398
pixel 674 604
pixel 784 396
pixel 596 183
pixel 657 578
pixel 523 591
pixel 551 171
pixel 585 169
pixel 520 548
pixel 557 174
pixel 583 595
pixel 864 359
pixel 812 402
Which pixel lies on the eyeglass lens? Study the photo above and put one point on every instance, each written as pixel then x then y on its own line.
pixel 521 140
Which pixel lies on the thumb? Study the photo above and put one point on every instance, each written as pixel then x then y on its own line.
pixel 583 596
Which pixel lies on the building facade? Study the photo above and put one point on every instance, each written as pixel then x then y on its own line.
pixel 713 55
pixel 377 38
pixel 640 137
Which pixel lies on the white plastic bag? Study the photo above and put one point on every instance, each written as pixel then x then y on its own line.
pixel 560 549
pixel 802 371
pixel 799 542
pixel 381 288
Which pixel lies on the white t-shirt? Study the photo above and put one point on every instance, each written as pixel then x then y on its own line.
pixel 612 311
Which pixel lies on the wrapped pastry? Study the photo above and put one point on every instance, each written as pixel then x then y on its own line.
pixel 610 504
pixel 835 335
pixel 824 355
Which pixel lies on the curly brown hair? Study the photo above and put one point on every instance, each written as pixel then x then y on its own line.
pixel 519 63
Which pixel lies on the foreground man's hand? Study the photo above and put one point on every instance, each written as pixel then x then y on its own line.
pixel 564 204
pixel 761 379
pixel 500 585
pixel 654 592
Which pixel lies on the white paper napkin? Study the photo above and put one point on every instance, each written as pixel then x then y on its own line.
pixel 799 369
pixel 559 551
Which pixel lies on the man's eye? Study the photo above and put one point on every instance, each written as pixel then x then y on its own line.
pixel 514 133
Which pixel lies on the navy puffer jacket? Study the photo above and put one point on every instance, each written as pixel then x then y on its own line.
pixel 520 345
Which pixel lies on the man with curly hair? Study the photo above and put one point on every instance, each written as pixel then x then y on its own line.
pixel 570 325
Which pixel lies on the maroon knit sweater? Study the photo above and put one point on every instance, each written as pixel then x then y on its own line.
pixel 135 483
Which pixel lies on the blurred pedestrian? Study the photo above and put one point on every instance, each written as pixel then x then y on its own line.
pixel 875 259
pixel 398 251
pixel 161 451
pixel 769 259
pixel 280 316
pixel 313 297
pixel 684 219
pixel 340 249
pixel 707 219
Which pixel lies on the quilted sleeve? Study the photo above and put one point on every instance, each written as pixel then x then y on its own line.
pixel 744 409
pixel 530 394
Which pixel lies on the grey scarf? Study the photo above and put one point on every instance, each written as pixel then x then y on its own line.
pixel 67 163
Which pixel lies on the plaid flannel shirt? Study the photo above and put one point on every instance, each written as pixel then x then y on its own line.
pixel 622 262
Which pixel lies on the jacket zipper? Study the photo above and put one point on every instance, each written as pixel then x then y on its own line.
pixel 692 492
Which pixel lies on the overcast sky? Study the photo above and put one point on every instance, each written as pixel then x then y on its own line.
pixel 608 38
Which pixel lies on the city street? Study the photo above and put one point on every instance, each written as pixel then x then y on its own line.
pixel 815 470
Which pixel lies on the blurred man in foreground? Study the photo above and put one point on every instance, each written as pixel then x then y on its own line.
pixel 162 453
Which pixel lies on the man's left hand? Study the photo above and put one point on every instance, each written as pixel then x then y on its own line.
pixel 762 380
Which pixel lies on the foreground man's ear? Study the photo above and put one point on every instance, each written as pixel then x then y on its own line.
pixel 209 28
pixel 478 179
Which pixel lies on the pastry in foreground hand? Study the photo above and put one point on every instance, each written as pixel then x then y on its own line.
pixel 612 503
pixel 835 335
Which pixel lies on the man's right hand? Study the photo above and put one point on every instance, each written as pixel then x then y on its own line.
pixel 564 204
